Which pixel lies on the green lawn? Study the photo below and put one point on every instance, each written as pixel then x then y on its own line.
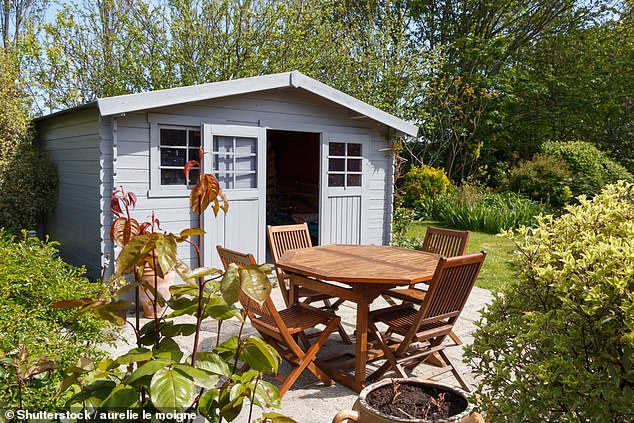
pixel 497 266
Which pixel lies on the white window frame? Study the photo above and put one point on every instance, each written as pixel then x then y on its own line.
pixel 345 172
pixel 157 121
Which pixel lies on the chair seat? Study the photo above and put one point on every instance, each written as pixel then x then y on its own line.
pixel 412 295
pixel 401 318
pixel 297 318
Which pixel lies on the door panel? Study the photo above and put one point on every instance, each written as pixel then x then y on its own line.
pixel 236 155
pixel 344 187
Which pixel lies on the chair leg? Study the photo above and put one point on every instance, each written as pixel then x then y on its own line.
pixel 344 335
pixel 389 356
pixel 455 372
pixel 305 359
pixel 455 338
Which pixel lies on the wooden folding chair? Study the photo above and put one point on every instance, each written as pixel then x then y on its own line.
pixel 280 328
pixel 444 242
pixel 292 237
pixel 423 330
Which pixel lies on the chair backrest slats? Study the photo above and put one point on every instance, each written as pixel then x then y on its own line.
pixel 445 242
pixel 449 289
pixel 287 237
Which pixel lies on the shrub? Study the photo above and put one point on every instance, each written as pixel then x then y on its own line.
pixel 28 189
pixel 544 178
pixel 558 342
pixel 32 277
pixel 424 183
pixel 28 181
pixel 472 208
pixel 592 169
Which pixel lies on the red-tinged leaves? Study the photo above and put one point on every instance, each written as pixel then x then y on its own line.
pixel 204 193
pixel 124 229
pixel 78 302
pixel 188 167
pixel 132 199
pixel 116 207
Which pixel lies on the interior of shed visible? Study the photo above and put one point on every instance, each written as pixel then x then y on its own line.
pixel 292 179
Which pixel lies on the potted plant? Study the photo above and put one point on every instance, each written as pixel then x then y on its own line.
pixel 410 400
pixel 151 278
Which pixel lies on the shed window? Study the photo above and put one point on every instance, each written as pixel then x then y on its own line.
pixel 235 161
pixel 344 164
pixel 178 146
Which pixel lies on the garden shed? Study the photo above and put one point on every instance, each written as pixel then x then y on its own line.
pixel 285 148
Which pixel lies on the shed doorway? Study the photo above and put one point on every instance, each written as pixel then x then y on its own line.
pixel 292 179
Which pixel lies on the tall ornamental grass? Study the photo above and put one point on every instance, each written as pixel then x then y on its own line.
pixel 474 209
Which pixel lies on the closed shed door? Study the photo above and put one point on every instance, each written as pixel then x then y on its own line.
pixel 236 156
pixel 344 187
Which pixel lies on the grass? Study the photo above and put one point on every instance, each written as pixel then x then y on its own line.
pixel 497 268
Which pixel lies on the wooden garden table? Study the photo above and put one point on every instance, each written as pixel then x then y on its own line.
pixel 368 271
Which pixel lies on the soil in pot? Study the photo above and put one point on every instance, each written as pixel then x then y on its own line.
pixel 415 401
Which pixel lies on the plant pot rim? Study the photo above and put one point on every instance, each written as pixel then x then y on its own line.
pixel 415 381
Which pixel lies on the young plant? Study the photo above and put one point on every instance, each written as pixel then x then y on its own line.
pixel 157 376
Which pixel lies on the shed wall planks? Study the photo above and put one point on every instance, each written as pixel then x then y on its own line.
pixel 71 141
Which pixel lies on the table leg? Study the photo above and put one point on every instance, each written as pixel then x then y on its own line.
pixel 361 344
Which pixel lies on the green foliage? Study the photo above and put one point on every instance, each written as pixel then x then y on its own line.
pixel 475 209
pixel 424 183
pixel 571 84
pixel 558 343
pixel 32 276
pixel 544 178
pixel 28 189
pixel 591 168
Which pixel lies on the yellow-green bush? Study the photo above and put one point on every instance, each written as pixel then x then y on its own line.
pixel 557 344
pixel 423 183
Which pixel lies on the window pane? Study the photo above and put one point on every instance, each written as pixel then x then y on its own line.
pixel 193 154
pixel 337 164
pixel 354 165
pixel 354 180
pixel 225 180
pixel 354 150
pixel 245 180
pixel 223 163
pixel 194 138
pixel 223 144
pixel 245 145
pixel 173 137
pixel 173 157
pixel 172 177
pixel 245 163
pixel 335 180
pixel 337 149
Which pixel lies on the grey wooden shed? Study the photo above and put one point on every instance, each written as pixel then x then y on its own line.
pixel 285 148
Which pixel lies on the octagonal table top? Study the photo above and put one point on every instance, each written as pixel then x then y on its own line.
pixel 361 264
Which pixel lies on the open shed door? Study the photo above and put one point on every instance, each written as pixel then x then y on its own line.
pixel 236 156
pixel 345 178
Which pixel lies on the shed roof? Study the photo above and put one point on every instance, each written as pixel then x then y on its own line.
pixel 134 102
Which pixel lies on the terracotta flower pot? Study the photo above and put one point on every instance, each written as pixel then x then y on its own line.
pixel 363 412
pixel 145 295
